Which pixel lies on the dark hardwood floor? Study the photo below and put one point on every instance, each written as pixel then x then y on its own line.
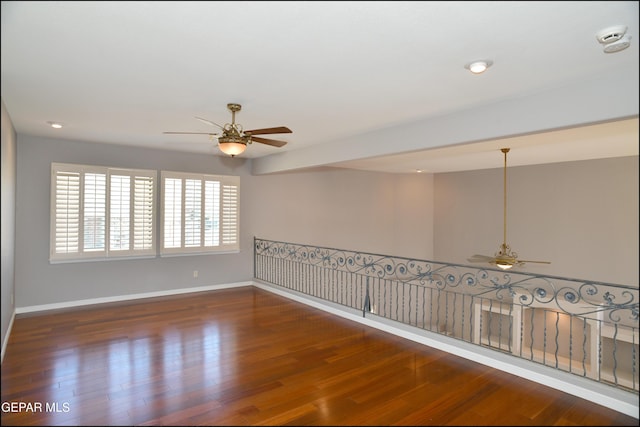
pixel 246 356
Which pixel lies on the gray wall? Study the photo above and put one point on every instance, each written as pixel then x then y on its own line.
pixel 8 222
pixel 382 213
pixel 339 208
pixel 582 216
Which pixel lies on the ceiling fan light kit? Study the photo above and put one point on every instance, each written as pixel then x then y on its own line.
pixel 232 145
pixel 505 257
pixel 234 139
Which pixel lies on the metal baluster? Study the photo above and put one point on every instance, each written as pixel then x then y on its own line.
pixel 615 351
pixel 584 347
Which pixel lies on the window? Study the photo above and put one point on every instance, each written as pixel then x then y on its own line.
pixel 99 212
pixel 200 213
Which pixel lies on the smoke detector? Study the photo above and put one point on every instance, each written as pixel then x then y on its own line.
pixel 614 38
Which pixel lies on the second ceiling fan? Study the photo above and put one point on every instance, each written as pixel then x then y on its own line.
pixel 234 139
pixel 505 258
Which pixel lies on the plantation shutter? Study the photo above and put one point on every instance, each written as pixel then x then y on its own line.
pixel 212 213
pixel 94 212
pixel 120 208
pixel 143 214
pixel 193 212
pixel 230 219
pixel 66 226
pixel 99 212
pixel 172 213
pixel 200 213
pixel 132 209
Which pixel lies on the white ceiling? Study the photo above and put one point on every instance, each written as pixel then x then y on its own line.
pixel 367 85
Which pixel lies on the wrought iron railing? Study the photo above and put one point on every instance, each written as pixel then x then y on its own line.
pixel 585 328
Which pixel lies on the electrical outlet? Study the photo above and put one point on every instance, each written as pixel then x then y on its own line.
pixel 195 274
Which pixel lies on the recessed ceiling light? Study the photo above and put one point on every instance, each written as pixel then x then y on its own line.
pixel 55 125
pixel 477 67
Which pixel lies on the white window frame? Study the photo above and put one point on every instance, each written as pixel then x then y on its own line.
pixel 194 237
pixel 142 201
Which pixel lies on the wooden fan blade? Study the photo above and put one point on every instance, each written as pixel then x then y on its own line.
pixel 209 122
pixel 281 129
pixel 192 133
pixel 273 142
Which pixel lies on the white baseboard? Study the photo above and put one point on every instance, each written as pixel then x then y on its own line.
pixel 92 301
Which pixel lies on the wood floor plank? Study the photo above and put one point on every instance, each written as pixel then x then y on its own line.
pixel 245 356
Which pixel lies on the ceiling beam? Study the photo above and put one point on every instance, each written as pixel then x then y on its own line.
pixel 600 99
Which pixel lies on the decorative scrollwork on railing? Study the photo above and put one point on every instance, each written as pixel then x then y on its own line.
pixel 609 302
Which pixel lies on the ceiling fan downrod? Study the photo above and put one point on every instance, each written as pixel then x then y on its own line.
pixel 234 108
pixel 505 258
pixel 504 240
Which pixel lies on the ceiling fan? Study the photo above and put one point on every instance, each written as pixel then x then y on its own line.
pixel 234 140
pixel 504 258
